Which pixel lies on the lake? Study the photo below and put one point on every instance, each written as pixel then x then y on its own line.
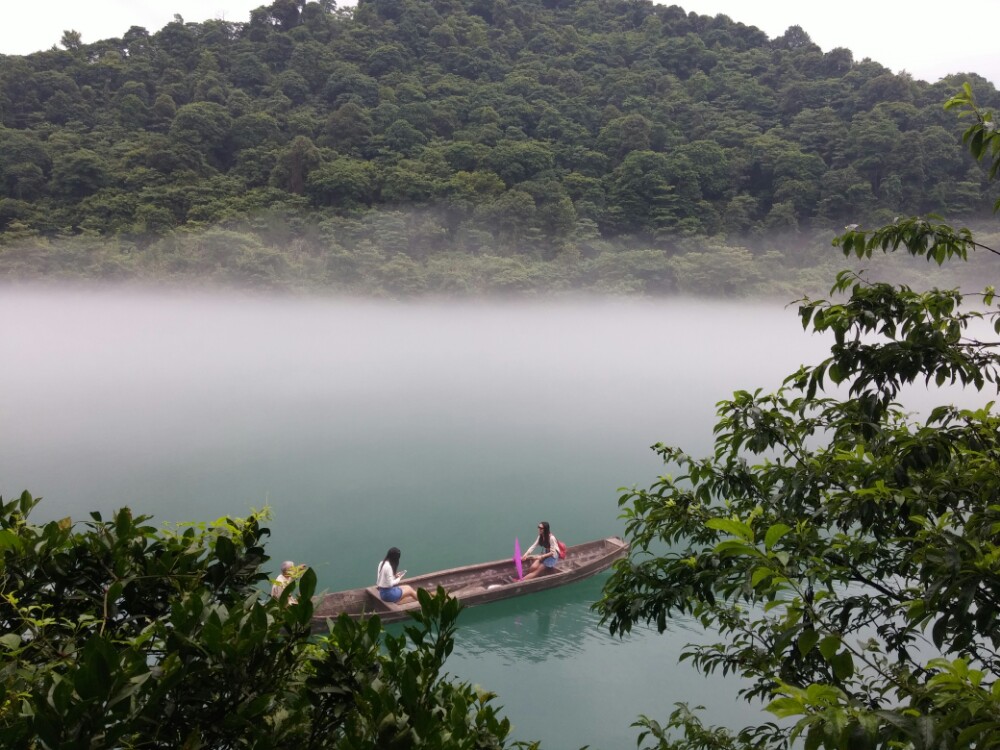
pixel 444 428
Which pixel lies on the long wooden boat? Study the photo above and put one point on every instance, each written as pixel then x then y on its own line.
pixel 474 584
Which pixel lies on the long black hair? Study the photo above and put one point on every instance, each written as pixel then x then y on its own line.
pixel 544 535
pixel 391 557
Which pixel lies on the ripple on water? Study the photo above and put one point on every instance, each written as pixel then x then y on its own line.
pixel 556 624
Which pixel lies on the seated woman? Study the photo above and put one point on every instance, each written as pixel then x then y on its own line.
pixel 289 572
pixel 546 562
pixel 387 583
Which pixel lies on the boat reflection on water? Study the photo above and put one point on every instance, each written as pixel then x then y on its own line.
pixel 558 623
pixel 563 678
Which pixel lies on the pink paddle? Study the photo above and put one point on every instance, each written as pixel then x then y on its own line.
pixel 517 558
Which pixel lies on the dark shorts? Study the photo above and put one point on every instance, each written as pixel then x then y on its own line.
pixel 391 595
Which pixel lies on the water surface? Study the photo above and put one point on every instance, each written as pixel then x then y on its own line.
pixel 446 429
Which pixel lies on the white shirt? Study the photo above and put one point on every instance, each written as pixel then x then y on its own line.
pixel 553 546
pixel 279 586
pixel 386 578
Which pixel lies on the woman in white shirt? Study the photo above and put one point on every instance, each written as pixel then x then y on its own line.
pixel 388 580
pixel 545 562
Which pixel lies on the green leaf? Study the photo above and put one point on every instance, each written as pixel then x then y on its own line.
pixel 807 640
pixel 774 533
pixel 9 540
pixel 829 646
pixel 307 584
pixel 734 548
pixel 732 527
pixel 843 665
pixel 98 663
pixel 225 550
pixel 785 707
pixel 760 574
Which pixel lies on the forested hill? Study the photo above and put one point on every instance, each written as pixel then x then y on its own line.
pixel 435 145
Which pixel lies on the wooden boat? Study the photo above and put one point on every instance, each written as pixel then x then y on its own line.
pixel 474 584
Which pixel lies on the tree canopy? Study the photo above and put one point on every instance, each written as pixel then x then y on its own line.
pixel 538 130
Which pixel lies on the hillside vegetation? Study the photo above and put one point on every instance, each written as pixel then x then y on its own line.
pixel 461 146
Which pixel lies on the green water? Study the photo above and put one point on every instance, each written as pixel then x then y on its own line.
pixel 444 429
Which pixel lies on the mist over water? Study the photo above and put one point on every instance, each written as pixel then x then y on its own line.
pixel 446 429
pixel 176 403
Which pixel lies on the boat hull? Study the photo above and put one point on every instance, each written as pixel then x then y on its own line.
pixel 473 584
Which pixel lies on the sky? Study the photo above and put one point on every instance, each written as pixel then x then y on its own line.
pixel 920 38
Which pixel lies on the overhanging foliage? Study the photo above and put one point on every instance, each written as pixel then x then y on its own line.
pixel 843 548
pixel 114 634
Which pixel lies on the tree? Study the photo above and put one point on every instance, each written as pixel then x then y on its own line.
pixel 512 214
pixel 349 128
pixel 516 161
pixel 640 194
pixel 79 173
pixel 71 40
pixel 842 546
pixel 624 135
pixel 820 131
pixel 206 127
pixel 402 137
pixel 115 634
pixel 716 270
pixel 794 38
pixel 343 182
pixel 294 165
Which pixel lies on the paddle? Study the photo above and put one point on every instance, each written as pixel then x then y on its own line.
pixel 517 558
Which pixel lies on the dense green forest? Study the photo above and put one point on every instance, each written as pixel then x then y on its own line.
pixel 465 146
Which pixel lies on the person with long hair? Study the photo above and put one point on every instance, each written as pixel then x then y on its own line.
pixel 388 580
pixel 546 561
